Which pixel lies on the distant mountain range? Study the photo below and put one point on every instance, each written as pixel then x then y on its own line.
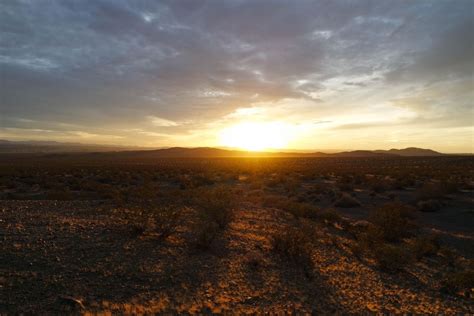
pixel 50 147
pixel 410 151
pixel 216 152
pixel 7 146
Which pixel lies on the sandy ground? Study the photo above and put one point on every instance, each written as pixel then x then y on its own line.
pixel 53 253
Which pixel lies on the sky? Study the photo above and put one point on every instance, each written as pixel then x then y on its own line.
pixel 320 75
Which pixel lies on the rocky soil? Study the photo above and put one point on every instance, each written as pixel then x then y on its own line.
pixel 82 256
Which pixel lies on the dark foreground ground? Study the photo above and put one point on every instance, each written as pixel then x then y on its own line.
pixel 324 236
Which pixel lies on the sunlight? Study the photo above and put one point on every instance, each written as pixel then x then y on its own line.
pixel 257 136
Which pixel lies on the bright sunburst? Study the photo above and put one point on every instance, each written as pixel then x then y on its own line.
pixel 257 136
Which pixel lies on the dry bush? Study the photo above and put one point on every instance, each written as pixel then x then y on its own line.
pixel 162 220
pixel 295 246
pixel 291 184
pixel 256 184
pixel 378 185
pixel 254 196
pixel 138 228
pixel 459 282
pixel 275 201
pixel 401 183
pixel 425 246
pixel 165 220
pixel 345 185
pixel 206 233
pixel 303 210
pixel 60 194
pixel 347 201
pixel 448 255
pixel 275 181
pixel 215 204
pixel 429 205
pixel 391 257
pixel 330 216
pixel 253 263
pixel 431 191
pixel 393 221
pixel 318 188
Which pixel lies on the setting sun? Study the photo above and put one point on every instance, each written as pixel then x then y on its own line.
pixel 257 136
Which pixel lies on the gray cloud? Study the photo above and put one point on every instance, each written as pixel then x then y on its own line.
pixel 112 64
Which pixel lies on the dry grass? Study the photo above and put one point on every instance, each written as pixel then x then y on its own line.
pixel 215 204
pixel 393 221
pixel 295 246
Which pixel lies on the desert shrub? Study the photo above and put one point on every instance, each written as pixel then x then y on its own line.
pixel 391 257
pixel 449 186
pixel 347 201
pixel 356 249
pixel 275 201
pixel 256 184
pixel 357 228
pixel 145 210
pixel 143 193
pixel 162 220
pixel 215 204
pixel 429 205
pixel 138 229
pixel 272 182
pixel 291 185
pixel 345 186
pixel 61 195
pixel 108 192
pixel 253 263
pixel 203 179
pixel 304 210
pixel 458 282
pixel 254 196
pixel 430 191
pixel 378 185
pixel 448 255
pixel 184 182
pixel 425 246
pixel 137 220
pixel 294 245
pixel 318 188
pixel 206 233
pixel 392 196
pixel 393 221
pixel 165 220
pixel 402 183
pixel 330 215
pixel 368 237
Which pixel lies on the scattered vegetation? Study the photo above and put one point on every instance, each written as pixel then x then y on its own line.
pixel 364 210
pixel 459 282
pixel 215 204
pixel 392 222
pixel 391 257
pixel 347 201
pixel 205 235
pixel 427 245
pixel 295 246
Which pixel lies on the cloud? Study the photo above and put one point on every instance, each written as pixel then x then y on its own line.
pixel 185 66
pixel 158 121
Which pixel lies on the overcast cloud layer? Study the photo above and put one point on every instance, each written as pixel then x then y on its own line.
pixel 339 74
